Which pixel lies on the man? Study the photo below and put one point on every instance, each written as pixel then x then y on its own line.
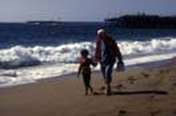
pixel 106 53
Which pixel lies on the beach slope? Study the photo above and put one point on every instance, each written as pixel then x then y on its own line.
pixel 139 91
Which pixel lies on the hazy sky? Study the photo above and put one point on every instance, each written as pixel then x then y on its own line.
pixel 80 10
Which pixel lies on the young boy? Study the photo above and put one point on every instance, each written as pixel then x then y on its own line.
pixel 85 69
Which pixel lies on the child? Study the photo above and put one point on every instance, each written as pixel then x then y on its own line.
pixel 85 69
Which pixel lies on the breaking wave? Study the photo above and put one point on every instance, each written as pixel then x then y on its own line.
pixel 20 56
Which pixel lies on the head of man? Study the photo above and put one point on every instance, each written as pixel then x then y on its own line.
pixel 101 33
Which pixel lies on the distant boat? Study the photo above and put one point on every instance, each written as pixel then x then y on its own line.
pixel 53 23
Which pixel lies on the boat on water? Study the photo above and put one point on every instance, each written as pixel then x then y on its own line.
pixel 44 22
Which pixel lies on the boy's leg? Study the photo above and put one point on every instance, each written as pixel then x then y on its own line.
pixel 90 87
pixel 88 79
pixel 85 84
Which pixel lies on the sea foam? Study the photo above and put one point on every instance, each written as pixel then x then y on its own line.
pixel 60 60
pixel 20 56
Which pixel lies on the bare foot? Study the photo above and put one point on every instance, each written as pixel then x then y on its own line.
pixel 119 86
pixel 131 79
pixel 145 75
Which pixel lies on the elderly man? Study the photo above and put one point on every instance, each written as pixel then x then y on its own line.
pixel 106 54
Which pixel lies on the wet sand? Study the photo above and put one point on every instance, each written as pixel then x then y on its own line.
pixel 136 92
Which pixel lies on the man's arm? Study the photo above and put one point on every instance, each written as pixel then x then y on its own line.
pixel 98 50
pixel 119 55
pixel 117 52
pixel 120 64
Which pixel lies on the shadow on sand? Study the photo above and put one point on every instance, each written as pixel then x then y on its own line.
pixel 157 92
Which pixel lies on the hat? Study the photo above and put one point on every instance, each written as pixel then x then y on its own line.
pixel 100 31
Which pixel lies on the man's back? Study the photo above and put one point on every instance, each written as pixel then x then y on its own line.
pixel 107 54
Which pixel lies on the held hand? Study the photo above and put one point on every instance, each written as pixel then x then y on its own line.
pixel 95 64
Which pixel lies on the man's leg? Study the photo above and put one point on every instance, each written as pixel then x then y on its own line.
pixel 107 74
pixel 103 70
pixel 104 74
pixel 109 71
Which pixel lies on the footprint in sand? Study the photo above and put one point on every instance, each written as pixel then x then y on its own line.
pixel 174 84
pixel 102 88
pixel 145 75
pixel 120 86
pixel 174 113
pixel 152 97
pixel 155 113
pixel 131 79
pixel 122 113
pixel 164 71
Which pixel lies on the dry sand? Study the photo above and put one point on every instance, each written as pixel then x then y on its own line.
pixel 137 92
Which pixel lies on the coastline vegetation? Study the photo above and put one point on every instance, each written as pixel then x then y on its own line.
pixel 143 21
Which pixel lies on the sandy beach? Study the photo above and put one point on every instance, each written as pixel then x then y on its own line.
pixel 136 92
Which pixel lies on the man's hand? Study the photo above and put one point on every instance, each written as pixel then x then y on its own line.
pixel 120 66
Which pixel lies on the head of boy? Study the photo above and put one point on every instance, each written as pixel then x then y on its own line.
pixel 84 53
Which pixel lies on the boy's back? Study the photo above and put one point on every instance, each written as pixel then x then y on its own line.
pixel 85 64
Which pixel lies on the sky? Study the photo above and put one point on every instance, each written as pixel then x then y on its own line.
pixel 80 10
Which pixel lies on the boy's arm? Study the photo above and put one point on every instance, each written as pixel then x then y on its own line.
pixel 79 70
pixel 93 63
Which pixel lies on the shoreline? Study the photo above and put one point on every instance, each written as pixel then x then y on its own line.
pixel 72 76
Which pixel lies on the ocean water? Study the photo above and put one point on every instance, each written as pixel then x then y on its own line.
pixel 29 52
